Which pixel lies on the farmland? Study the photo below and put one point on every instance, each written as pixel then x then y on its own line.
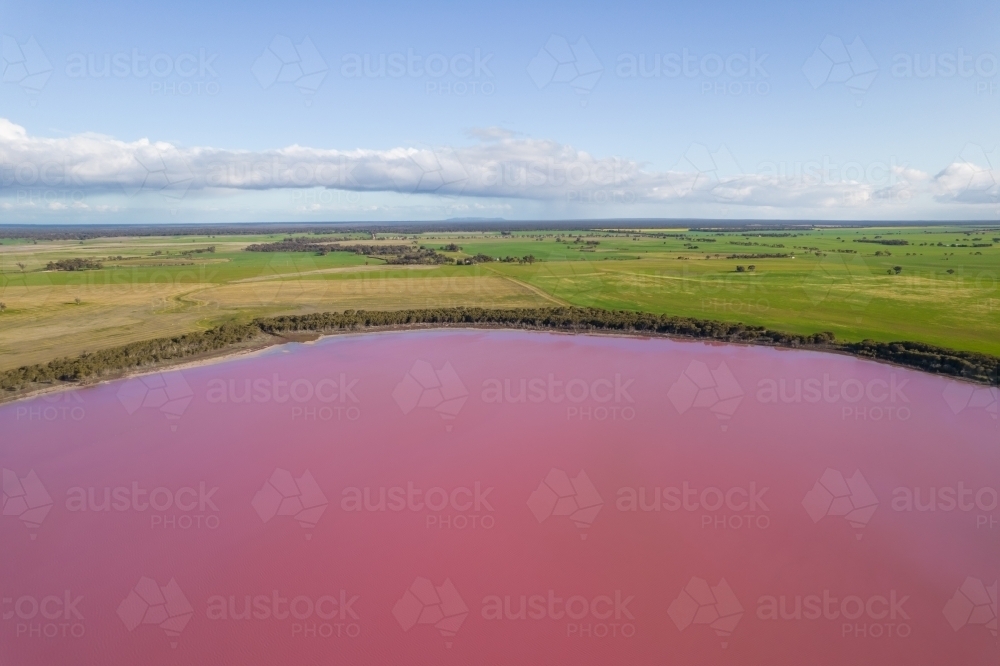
pixel 933 284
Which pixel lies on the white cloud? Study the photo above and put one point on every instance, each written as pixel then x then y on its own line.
pixel 500 165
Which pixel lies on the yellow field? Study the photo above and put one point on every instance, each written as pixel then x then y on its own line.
pixel 369 291
pixel 51 324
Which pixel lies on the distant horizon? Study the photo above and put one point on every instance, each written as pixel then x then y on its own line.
pixel 460 224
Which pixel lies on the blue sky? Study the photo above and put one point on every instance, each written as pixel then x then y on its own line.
pixel 265 112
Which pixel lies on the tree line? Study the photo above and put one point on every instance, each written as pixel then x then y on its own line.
pixel 391 254
pixel 883 241
pixel 75 264
pixel 975 366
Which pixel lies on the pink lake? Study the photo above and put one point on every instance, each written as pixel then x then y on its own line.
pixel 469 497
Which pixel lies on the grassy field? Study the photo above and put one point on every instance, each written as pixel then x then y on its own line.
pixel 929 284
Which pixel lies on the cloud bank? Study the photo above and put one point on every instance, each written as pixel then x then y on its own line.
pixel 498 165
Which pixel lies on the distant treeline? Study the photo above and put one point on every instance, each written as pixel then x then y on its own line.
pixel 772 255
pixel 392 254
pixel 883 241
pixel 397 254
pixel 748 228
pixel 75 264
pixel 619 225
pixel 298 244
pixel 481 258
pixel 210 249
pixel 750 243
pixel 975 366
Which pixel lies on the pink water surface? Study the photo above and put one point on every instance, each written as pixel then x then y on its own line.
pixel 258 498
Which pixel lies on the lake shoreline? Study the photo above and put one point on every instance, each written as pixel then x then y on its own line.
pixel 268 341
